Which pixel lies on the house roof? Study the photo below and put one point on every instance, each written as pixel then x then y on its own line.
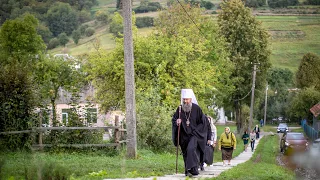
pixel 315 110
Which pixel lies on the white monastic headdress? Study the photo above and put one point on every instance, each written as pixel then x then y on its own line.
pixel 188 93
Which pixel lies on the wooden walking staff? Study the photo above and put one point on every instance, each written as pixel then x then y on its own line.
pixel 178 141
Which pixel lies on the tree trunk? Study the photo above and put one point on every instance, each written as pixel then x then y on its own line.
pixel 129 80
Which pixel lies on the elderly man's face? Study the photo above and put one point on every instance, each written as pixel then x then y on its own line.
pixel 186 100
pixel 226 130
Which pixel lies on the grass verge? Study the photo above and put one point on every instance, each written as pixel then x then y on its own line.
pixel 263 164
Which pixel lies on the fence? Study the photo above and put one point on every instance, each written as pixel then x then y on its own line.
pixel 118 135
pixel 310 131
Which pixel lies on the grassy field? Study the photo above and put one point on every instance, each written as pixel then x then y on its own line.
pixel 95 165
pixel 23 165
pixel 292 37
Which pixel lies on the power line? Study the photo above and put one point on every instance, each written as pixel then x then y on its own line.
pixel 244 96
pixel 190 18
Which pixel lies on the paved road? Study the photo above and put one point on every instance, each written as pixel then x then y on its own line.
pixel 211 171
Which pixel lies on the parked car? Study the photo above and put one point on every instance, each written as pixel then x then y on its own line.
pixel 283 128
pixel 293 142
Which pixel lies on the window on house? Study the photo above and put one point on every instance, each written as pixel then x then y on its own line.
pixel 65 115
pixel 92 115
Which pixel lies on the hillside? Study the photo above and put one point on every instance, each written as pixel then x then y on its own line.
pixel 292 36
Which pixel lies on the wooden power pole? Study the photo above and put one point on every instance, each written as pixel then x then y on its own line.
pixel 129 80
pixel 252 96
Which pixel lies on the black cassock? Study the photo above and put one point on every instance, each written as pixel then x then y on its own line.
pixel 193 137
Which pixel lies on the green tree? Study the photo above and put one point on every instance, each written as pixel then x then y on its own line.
pixel 17 105
pixel 116 25
pixel 248 43
pixel 53 43
pixel 299 107
pixel 308 73
pixel 54 73
pixel 62 18
pixel 279 82
pixel 19 38
pixel 103 16
pixel 63 39
pixel 170 59
pixel 76 35
pixel 45 33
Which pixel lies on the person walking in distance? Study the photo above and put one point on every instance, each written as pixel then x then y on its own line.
pixel 193 131
pixel 245 138
pixel 227 143
pixel 257 130
pixel 252 139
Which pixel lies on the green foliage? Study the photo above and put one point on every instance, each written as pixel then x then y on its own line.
pixel 153 122
pixel 63 39
pixel 255 3
pixel 313 2
pixel 146 21
pixel 279 81
pixel 103 16
pixel 45 33
pixel 76 35
pixel 172 59
pixel 19 38
pixel 85 165
pixel 282 3
pixel 53 43
pixel 89 32
pixel 46 170
pixel 147 7
pixel 17 104
pixel 248 43
pixel 61 18
pixel 83 28
pixel 116 25
pixel 55 73
pixel 299 106
pixel 308 73
pixel 206 4
pixel 84 16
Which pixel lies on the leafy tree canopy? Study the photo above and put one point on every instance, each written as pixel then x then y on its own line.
pixel 62 18
pixel 300 105
pixel 308 73
pixel 19 38
pixel 167 61
pixel 248 44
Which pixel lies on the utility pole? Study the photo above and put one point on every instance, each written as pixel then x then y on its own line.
pixel 252 95
pixel 129 80
pixel 265 106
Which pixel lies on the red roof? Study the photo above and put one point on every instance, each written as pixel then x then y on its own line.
pixel 315 110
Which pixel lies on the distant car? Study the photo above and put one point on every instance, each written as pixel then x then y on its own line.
pixel 282 128
pixel 293 142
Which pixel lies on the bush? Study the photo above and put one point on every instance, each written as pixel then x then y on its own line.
pixel 153 123
pixel 207 4
pixel 16 107
pixel 89 32
pixel 144 22
pixel 83 28
pixel 53 43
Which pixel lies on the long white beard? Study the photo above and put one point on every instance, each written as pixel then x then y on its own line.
pixel 186 107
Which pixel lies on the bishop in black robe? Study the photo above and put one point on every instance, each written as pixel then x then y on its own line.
pixel 192 138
